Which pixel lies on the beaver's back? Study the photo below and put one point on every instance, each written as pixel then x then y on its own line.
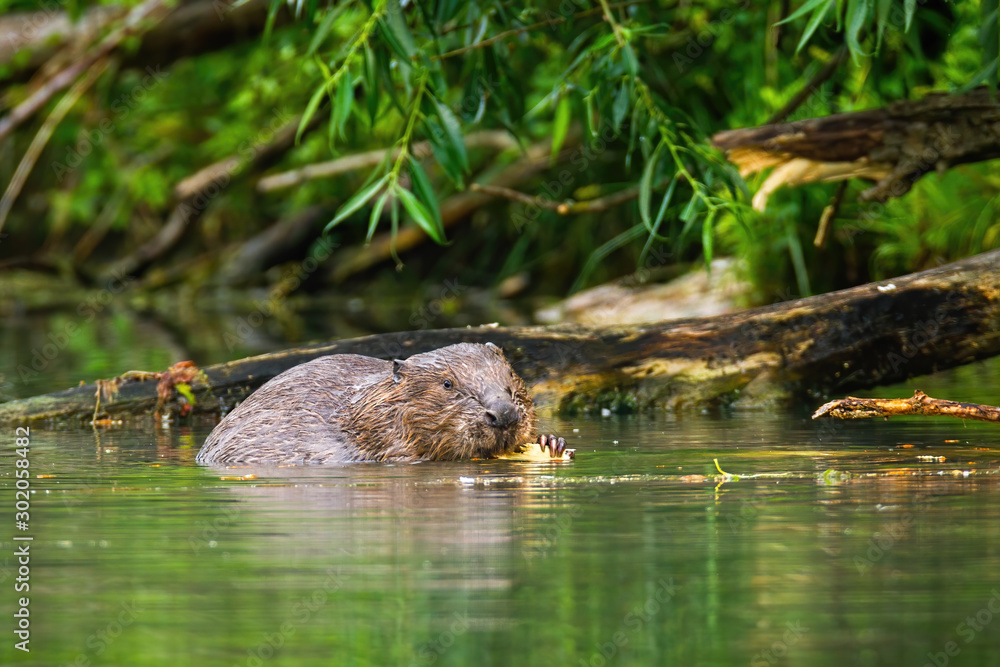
pixel 296 417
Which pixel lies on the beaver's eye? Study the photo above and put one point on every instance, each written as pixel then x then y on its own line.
pixel 447 384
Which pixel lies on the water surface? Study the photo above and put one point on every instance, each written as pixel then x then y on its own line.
pixel 860 543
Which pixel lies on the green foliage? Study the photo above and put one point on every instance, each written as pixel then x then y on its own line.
pixel 627 94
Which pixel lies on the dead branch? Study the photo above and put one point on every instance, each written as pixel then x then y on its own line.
pixel 919 404
pixel 498 139
pixel 455 209
pixel 556 20
pixel 894 146
pixel 132 24
pixel 856 338
pixel 44 133
pixel 194 193
pixel 818 80
pixel 566 207
pixel 829 213
pixel 45 38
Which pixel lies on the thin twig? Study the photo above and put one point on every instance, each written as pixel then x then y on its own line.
pixel 456 208
pixel 818 80
pixel 919 404
pixel 44 133
pixel 528 28
pixel 498 139
pixel 567 207
pixel 36 100
pixel 829 212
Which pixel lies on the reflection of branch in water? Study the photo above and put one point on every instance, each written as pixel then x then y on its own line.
pixel 920 404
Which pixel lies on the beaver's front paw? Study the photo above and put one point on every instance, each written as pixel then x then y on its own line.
pixel 555 445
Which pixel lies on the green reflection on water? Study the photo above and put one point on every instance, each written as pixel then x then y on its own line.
pixel 141 557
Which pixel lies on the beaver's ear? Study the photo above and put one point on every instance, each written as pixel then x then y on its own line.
pixel 397 370
pixel 494 348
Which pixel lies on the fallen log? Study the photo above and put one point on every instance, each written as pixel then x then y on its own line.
pixel 861 337
pixel 893 146
pixel 919 404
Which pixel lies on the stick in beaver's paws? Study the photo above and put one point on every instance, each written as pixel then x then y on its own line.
pixel 555 445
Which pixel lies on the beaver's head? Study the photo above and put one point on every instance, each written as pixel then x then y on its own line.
pixel 461 401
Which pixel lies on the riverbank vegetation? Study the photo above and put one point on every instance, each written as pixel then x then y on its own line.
pixel 175 165
pixel 278 156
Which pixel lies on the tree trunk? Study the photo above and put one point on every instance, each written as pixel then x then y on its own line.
pixel 893 146
pixel 856 338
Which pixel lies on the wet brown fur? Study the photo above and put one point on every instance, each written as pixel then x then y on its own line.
pixel 348 407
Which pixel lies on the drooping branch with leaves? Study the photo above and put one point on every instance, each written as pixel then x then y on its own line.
pixel 624 94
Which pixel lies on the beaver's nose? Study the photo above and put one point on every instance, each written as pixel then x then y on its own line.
pixel 501 413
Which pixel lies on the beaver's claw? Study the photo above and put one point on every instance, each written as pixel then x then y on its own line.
pixel 555 445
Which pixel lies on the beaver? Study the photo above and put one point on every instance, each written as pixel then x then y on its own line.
pixel 458 402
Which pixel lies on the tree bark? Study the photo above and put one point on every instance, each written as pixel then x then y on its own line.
pixel 194 194
pixel 893 146
pixel 856 338
pixel 192 28
pixel 919 404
